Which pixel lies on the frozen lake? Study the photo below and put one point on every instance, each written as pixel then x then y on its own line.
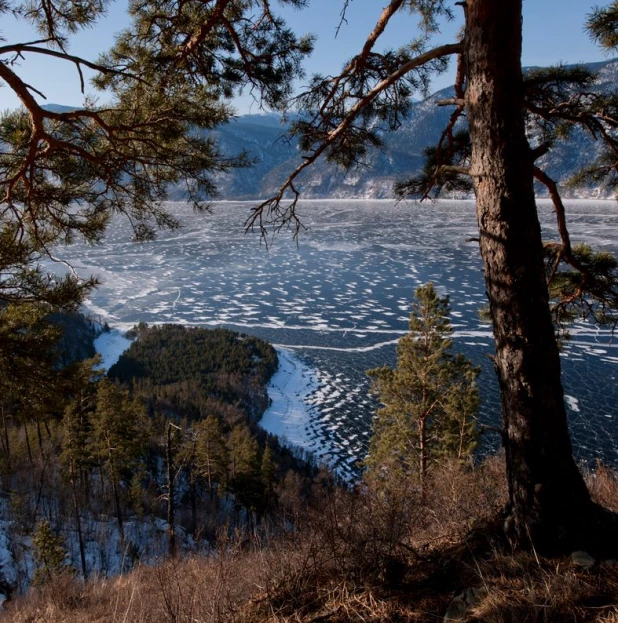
pixel 340 300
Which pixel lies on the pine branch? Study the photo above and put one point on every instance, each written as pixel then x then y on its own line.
pixel 273 205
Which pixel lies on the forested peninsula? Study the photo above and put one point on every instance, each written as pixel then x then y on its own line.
pixel 161 456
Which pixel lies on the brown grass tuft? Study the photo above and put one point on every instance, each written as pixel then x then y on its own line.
pixel 377 555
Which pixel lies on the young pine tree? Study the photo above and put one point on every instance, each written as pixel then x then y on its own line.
pixel 245 463
pixel 49 554
pixel 211 455
pixel 268 473
pixel 429 400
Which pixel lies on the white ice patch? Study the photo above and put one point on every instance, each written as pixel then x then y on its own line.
pixel 110 345
pixel 288 414
pixel 291 416
pixel 572 403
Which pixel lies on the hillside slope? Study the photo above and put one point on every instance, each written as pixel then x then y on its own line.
pixel 275 156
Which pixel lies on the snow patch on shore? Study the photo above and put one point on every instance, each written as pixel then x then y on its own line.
pixel 110 345
pixel 291 416
pixel 572 403
pixel 288 413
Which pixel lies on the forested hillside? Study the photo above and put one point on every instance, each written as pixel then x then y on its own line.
pixel 402 154
pixel 258 537
pixel 163 455
pixel 198 371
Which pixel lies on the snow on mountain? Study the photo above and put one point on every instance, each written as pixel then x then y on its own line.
pixel 275 156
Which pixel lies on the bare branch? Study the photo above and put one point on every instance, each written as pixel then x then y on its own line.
pixel 451 101
pixel 453 169
pixel 539 151
pixel 20 48
pixel 31 88
pixel 360 60
pixel 560 212
pixel 460 77
pixel 20 88
pixel 272 204
pixel 377 31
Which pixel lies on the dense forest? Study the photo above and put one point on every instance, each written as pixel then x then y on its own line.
pixel 198 371
pixel 158 475
pixel 161 455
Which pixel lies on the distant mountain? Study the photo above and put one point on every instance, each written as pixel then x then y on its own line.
pixel 58 108
pixel 275 156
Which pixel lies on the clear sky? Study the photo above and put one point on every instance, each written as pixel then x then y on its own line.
pixel 552 33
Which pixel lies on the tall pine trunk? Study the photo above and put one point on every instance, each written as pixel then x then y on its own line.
pixel 422 452
pixel 113 476
pixel 118 509
pixel 7 447
pixel 78 524
pixel 171 509
pixel 28 443
pixel 549 502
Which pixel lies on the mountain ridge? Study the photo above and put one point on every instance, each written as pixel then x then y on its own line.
pixel 276 156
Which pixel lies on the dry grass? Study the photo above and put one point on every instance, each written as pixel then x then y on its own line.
pixel 193 589
pixel 524 588
pixel 372 557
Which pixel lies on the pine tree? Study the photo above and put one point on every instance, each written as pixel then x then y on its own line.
pixel 268 473
pixel 171 432
pixel 31 384
pixel 549 506
pixel 75 460
pixel 165 87
pixel 211 454
pixel 430 399
pixel 245 480
pixel 167 81
pixel 49 554
pixel 119 429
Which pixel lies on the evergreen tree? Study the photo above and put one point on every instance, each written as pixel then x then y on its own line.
pixel 171 432
pixel 430 399
pixel 31 383
pixel 76 459
pixel 119 428
pixel 549 507
pixel 76 456
pixel 268 473
pixel 244 456
pixel 211 453
pixel 64 173
pixel 49 554
pixel 166 86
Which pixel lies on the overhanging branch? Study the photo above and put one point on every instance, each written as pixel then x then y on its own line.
pixel 273 204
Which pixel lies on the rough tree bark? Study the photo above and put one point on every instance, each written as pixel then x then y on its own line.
pixel 549 502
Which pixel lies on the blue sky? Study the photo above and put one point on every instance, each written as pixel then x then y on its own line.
pixel 552 33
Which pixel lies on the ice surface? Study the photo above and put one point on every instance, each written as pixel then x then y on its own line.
pixel 355 268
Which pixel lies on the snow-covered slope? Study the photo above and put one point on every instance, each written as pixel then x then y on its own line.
pixel 275 157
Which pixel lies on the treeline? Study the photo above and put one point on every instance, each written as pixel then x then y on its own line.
pixel 191 369
pixel 168 439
